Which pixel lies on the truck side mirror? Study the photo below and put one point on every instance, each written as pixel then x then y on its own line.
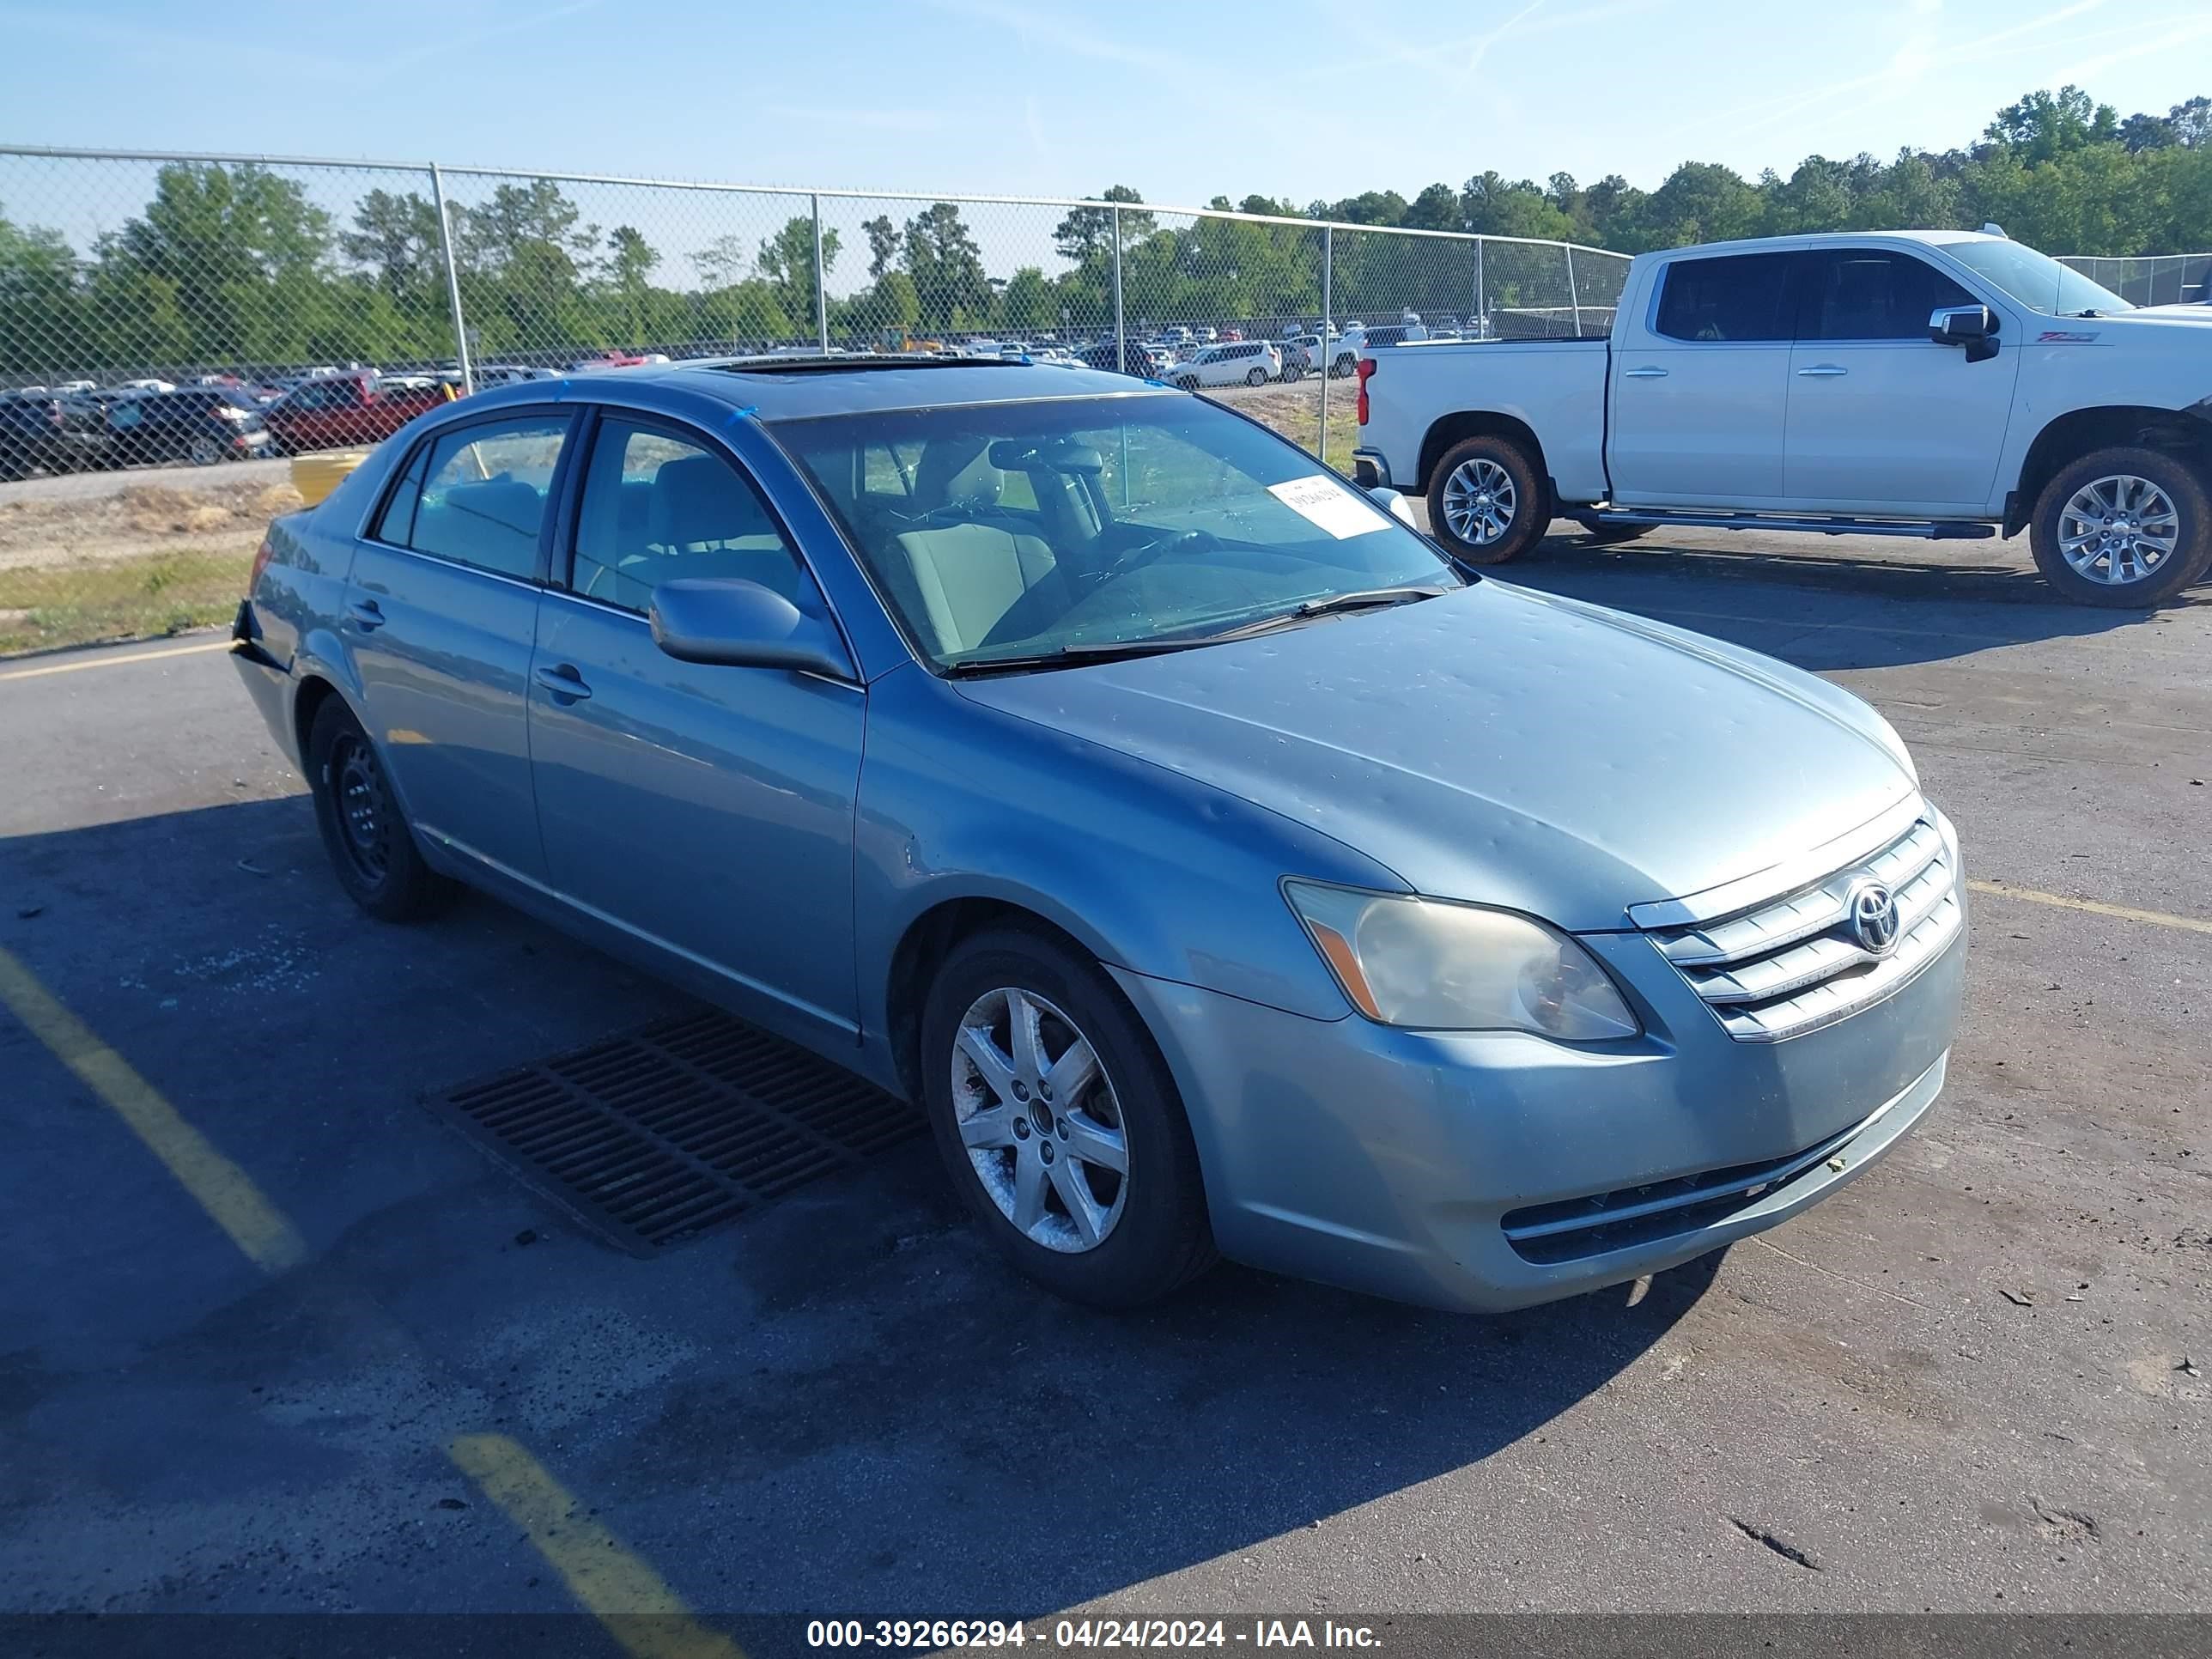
pixel 1974 327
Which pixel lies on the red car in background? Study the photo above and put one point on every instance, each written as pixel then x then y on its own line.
pixel 336 411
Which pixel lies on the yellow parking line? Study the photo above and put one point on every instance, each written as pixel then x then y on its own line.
pixel 2094 907
pixel 632 1601
pixel 113 662
pixel 223 1190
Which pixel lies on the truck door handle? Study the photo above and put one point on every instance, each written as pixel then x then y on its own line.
pixel 1823 371
pixel 1643 374
pixel 564 682
pixel 366 614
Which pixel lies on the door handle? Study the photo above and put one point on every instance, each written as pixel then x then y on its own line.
pixel 366 614
pixel 1823 371
pixel 564 682
pixel 1643 374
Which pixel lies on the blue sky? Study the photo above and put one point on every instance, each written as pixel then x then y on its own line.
pixel 1293 98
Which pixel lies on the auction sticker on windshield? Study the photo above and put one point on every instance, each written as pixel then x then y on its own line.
pixel 1323 501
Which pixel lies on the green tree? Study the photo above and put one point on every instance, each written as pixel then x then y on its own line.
pixel 883 240
pixel 947 269
pixel 1088 232
pixel 630 260
pixel 396 237
pixel 1026 304
pixel 2044 125
pixel 785 263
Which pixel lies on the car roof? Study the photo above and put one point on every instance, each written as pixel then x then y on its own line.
pixel 1833 238
pixel 799 388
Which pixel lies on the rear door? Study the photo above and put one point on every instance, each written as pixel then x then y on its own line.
pixel 707 810
pixel 1699 386
pixel 1882 419
pixel 443 615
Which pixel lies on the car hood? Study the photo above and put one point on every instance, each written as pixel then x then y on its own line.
pixel 1502 746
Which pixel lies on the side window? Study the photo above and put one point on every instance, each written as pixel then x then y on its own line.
pixel 396 522
pixel 1855 294
pixel 657 508
pixel 1737 298
pixel 483 493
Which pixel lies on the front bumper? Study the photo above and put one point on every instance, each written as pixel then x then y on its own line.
pixel 1435 1168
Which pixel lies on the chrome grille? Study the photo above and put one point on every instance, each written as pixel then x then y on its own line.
pixel 1792 964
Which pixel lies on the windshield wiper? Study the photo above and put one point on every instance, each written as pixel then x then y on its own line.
pixel 1074 655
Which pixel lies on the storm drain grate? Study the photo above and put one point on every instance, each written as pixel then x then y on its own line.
pixel 656 1136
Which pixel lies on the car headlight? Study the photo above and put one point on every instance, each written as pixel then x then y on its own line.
pixel 1434 966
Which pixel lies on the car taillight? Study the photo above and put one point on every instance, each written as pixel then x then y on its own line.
pixel 261 558
pixel 1366 370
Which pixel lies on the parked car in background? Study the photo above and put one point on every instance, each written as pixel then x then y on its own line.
pixel 1391 334
pixel 1046 777
pixel 40 431
pixel 204 425
pixel 492 374
pixel 336 411
pixel 1250 362
pixel 1136 357
pixel 1940 384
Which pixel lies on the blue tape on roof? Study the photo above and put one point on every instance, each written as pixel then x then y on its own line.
pixel 747 413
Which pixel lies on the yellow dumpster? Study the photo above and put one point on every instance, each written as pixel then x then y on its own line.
pixel 315 476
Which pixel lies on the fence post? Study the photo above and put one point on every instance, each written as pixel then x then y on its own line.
pixel 1574 295
pixel 1481 307
pixel 452 281
pixel 821 285
pixel 1327 316
pixel 1120 331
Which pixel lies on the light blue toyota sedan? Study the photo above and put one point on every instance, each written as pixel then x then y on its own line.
pixel 1219 867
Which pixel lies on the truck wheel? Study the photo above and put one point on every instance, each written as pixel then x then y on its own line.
pixel 2126 526
pixel 1292 373
pixel 1256 377
pixel 1485 503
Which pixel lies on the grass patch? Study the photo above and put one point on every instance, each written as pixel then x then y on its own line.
pixel 44 607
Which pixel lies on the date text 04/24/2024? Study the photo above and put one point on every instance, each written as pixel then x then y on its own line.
pixel 937 1634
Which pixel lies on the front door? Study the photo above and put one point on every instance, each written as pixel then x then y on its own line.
pixel 706 810
pixel 1699 388
pixel 442 615
pixel 1882 420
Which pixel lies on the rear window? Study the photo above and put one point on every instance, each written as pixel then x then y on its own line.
pixel 1737 298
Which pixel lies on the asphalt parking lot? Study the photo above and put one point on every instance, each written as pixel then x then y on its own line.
pixel 276 1340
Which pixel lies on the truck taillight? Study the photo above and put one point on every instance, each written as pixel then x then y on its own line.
pixel 1366 372
pixel 261 558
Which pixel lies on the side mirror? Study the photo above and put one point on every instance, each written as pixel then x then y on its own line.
pixel 733 623
pixel 1395 505
pixel 1974 327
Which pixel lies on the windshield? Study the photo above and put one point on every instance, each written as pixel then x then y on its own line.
pixel 2036 280
pixel 1070 526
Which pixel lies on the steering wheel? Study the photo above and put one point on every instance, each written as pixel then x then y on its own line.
pixel 1140 554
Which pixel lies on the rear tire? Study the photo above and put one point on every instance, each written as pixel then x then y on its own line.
pixel 1144 1232
pixel 204 452
pixel 2163 540
pixel 1257 377
pixel 1292 374
pixel 1488 503
pixel 371 844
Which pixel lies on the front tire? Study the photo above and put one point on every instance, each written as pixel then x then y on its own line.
pixel 2124 527
pixel 1187 382
pixel 371 845
pixel 1488 503
pixel 1059 1123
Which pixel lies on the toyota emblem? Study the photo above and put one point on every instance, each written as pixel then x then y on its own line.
pixel 1872 917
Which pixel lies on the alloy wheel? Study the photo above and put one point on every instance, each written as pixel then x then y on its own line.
pixel 2118 530
pixel 1479 501
pixel 1040 1120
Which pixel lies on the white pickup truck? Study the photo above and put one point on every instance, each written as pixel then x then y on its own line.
pixel 1940 384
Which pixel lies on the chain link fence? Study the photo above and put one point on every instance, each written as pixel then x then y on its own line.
pixel 161 308
pixel 2157 279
